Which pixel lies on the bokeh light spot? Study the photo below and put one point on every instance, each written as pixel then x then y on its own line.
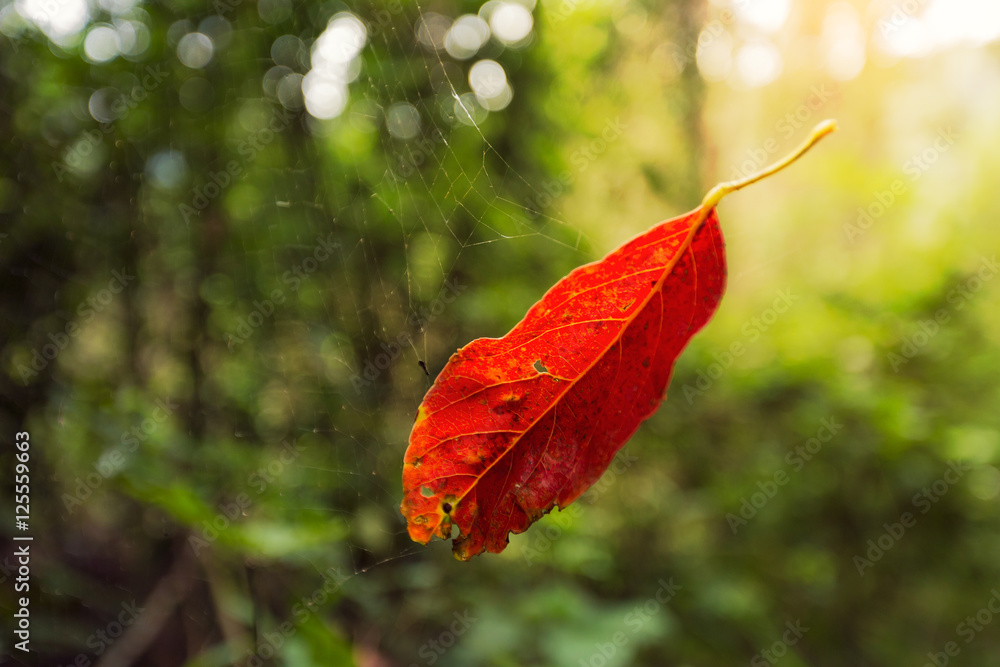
pixel 758 63
pixel 402 120
pixel 714 54
pixel 511 22
pixel 432 29
pixel 466 36
pixel 767 15
pixel 489 82
pixel 843 42
pixel 324 98
pixel 101 44
pixel 195 50
pixel 60 20
pixel 468 110
pixel 167 169
pixel 102 105
pixel 288 50
pixel 289 91
pixel 334 64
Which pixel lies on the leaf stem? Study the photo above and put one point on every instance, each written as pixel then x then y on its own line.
pixel 716 194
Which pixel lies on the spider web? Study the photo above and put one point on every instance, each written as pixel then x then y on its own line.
pixel 437 198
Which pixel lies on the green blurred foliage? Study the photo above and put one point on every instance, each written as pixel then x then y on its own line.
pixel 216 307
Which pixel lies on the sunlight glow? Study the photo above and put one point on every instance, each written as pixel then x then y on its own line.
pixel 715 53
pixel 914 28
pixel 843 42
pixel 768 15
pixel 758 63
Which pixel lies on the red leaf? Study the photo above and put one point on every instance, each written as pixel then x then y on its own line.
pixel 497 443
pixel 515 426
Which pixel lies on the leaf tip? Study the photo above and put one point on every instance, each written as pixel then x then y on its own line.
pixel 825 127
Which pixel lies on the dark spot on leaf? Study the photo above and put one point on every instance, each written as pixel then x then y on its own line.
pixel 447 508
pixel 539 366
pixel 508 404
pixel 645 362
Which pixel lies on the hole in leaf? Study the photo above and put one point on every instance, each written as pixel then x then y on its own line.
pixel 426 491
pixel 539 366
pixel 447 508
